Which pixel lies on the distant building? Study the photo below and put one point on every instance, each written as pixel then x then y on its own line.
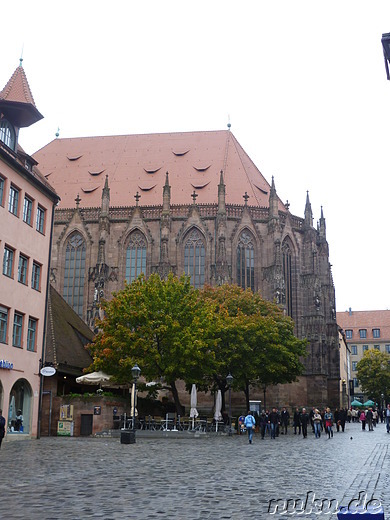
pixel 345 371
pixel 27 204
pixel 191 203
pixel 364 330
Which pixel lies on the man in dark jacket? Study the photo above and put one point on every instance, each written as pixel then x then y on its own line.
pixel 273 420
pixel 263 421
pixel 284 418
pixel 304 418
pixel 2 427
pixel 297 421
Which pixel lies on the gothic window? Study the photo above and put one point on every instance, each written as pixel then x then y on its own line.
pixel 135 256
pixel 7 134
pixel 287 275
pixel 194 258
pixel 246 261
pixel 75 272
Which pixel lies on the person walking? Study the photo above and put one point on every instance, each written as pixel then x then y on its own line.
pixel 304 418
pixel 369 419
pixel 317 423
pixel 388 418
pixel 342 418
pixel 363 420
pixel 263 421
pixel 273 420
pixel 297 421
pixel 328 417
pixel 250 423
pixel 2 427
pixel 284 418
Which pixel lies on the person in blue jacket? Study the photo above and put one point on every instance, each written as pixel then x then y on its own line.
pixel 249 425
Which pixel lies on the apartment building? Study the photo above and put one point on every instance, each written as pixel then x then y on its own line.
pixel 27 204
pixel 364 330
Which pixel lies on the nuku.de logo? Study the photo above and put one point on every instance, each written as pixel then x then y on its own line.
pixel 319 506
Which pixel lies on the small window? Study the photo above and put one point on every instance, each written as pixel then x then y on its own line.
pixel 377 347
pixel 36 276
pixel 27 208
pixel 3 324
pixel 354 365
pixel 376 333
pixel 363 333
pixel 7 134
pixel 31 334
pixel 355 382
pixel 387 349
pixel 8 262
pixel 22 269
pixel 13 200
pixel 17 332
pixel 348 334
pixel 365 347
pixel 40 219
pixel 2 184
pixel 354 350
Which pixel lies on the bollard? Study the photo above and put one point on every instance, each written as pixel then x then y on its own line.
pixel 361 512
pixel 127 437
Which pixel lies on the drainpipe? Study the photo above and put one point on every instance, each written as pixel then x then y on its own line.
pixel 41 364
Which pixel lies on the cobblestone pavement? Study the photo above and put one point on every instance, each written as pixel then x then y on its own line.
pixel 208 477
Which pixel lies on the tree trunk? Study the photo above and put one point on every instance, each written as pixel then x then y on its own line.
pixel 246 392
pixel 175 393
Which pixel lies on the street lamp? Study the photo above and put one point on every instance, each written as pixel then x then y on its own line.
pixel 229 381
pixel 386 52
pixel 135 372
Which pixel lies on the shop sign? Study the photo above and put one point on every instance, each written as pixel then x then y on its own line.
pixel 48 371
pixel 6 364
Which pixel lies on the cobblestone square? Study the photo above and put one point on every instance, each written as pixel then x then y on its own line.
pixel 205 477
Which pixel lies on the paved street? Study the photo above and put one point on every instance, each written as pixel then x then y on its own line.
pixel 209 477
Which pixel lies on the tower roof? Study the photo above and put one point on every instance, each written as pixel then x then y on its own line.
pixel 17 96
pixel 134 163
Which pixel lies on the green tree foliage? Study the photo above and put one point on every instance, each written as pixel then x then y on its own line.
pixel 373 372
pixel 256 341
pixel 162 325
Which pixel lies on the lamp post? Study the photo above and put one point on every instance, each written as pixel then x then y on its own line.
pixel 386 52
pixel 383 402
pixel 135 372
pixel 229 381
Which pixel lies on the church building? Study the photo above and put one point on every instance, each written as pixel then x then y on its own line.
pixel 191 203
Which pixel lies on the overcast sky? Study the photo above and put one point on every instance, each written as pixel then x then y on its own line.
pixel 303 82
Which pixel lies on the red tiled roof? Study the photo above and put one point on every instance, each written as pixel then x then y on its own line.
pixel 139 163
pixel 366 320
pixel 17 89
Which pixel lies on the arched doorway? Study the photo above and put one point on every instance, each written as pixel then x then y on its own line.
pixel 20 403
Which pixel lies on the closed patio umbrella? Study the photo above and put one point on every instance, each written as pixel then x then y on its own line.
pixel 218 408
pixel 94 378
pixel 193 411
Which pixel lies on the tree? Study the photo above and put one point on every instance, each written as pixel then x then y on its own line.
pixel 373 372
pixel 162 325
pixel 257 343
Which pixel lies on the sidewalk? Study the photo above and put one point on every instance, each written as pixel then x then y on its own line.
pixel 203 477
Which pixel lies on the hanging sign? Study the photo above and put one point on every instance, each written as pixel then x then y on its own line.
pixel 6 364
pixel 48 371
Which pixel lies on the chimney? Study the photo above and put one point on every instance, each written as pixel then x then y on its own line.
pixel 350 311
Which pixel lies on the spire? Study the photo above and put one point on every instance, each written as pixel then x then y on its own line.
pixel 166 196
pixel 308 212
pixel 322 227
pixel 273 201
pixel 105 199
pixel 221 195
pixel 17 97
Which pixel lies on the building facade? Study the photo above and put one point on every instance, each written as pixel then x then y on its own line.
pixel 364 330
pixel 27 204
pixel 191 203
